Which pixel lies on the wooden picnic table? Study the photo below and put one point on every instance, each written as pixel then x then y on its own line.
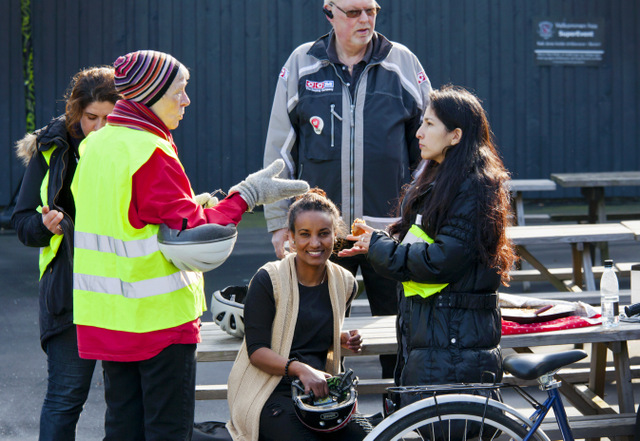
pixel 580 237
pixel 379 337
pixel 518 186
pixel 634 226
pixel 592 185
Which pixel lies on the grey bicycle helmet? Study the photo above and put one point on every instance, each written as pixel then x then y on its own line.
pixel 201 248
pixel 227 308
pixel 332 412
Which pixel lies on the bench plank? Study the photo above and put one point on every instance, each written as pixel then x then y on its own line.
pixel 369 386
pixel 589 297
pixel 593 426
pixel 622 269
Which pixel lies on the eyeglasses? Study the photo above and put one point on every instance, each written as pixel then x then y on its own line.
pixel 355 13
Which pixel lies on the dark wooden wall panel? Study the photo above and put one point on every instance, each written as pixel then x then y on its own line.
pixel 12 112
pixel 545 119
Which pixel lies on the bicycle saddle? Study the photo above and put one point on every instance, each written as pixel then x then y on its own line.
pixel 532 366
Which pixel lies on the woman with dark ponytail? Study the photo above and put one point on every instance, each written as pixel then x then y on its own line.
pixel 449 248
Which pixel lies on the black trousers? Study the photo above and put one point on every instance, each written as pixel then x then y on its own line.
pixel 152 399
pixel 382 294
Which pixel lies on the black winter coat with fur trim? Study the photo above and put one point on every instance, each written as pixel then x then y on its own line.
pixel 56 284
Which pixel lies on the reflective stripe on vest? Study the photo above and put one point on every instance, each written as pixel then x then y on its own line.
pixel 411 288
pixel 49 252
pixel 122 281
pixel 128 249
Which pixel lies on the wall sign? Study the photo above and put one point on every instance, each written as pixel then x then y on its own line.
pixel 568 42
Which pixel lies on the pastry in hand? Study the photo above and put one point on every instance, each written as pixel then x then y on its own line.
pixel 355 228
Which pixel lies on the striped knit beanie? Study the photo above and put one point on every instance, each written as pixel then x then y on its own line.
pixel 145 76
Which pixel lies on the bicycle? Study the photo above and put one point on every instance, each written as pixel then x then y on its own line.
pixel 459 415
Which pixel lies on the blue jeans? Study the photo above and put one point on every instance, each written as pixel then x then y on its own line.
pixel 68 386
pixel 151 400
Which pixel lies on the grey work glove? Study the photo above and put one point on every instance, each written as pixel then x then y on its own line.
pixel 206 200
pixel 262 187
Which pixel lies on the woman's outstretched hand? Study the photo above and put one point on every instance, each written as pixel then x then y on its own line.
pixel 351 340
pixel 361 245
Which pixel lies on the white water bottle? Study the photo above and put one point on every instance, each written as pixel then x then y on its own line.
pixel 609 297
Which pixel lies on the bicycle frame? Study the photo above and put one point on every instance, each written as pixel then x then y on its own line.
pixel 553 401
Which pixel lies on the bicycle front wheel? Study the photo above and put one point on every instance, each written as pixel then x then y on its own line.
pixel 456 421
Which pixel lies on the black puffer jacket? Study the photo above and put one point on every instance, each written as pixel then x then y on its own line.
pixel 56 284
pixel 452 336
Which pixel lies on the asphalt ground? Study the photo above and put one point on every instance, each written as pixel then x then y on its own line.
pixel 23 363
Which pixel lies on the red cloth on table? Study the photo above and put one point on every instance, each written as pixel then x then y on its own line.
pixel 573 321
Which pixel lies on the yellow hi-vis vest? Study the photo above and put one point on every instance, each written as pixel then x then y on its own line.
pixel 121 280
pixel 49 252
pixel 411 288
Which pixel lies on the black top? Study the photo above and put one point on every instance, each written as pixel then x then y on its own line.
pixel 351 78
pixel 314 328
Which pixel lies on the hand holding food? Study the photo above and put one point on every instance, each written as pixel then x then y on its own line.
pixel 361 234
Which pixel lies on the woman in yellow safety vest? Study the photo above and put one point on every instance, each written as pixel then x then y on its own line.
pixel 135 308
pixel 44 217
pixel 449 249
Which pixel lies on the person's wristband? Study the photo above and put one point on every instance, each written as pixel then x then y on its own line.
pixel 286 367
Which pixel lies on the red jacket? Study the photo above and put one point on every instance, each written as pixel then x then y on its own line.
pixel 161 194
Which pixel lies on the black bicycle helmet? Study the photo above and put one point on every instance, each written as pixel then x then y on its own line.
pixel 332 412
pixel 227 308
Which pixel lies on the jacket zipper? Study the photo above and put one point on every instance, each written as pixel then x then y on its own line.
pixel 352 160
pixel 64 166
pixel 352 136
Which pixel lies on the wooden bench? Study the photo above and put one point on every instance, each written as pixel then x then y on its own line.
pixel 574 217
pixel 366 386
pixel 589 297
pixel 592 185
pixel 380 337
pixel 372 386
pixel 594 426
pixel 623 269
pixel 579 237
pixel 360 308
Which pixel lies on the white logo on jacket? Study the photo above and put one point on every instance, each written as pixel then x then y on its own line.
pixel 319 86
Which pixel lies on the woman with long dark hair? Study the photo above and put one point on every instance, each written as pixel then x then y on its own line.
pixel 449 249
